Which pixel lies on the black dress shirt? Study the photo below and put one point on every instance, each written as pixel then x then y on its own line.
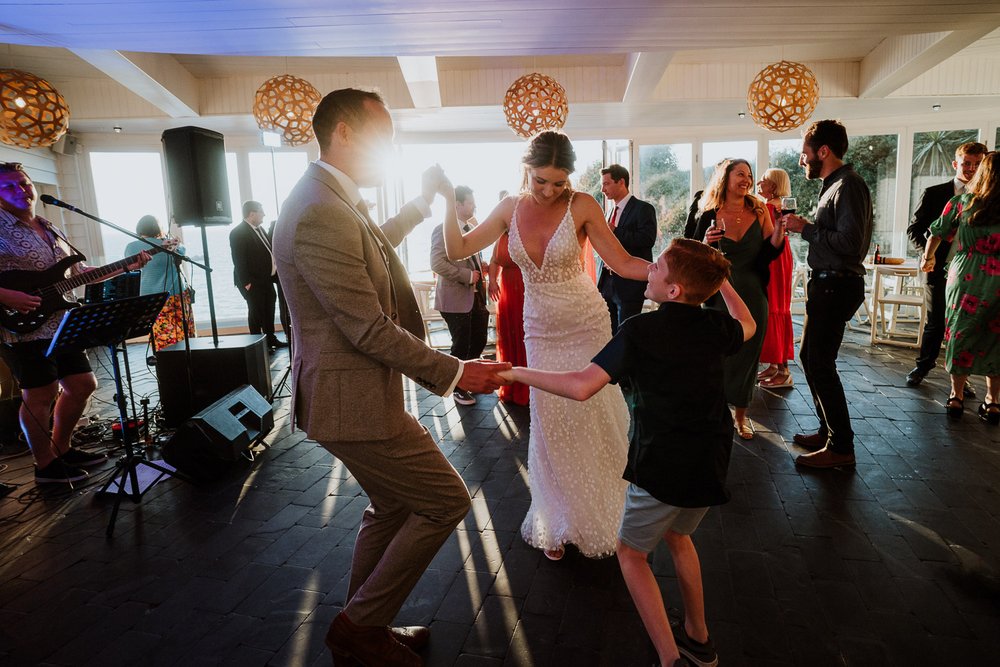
pixel 839 239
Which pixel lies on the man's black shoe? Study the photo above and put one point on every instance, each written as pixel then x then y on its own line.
pixel 915 377
pixel 276 343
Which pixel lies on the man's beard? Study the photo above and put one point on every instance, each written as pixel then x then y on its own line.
pixel 813 168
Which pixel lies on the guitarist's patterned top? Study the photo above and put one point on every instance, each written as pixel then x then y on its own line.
pixel 21 248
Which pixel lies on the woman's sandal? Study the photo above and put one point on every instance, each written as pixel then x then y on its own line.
pixel 555 554
pixel 778 381
pixel 990 413
pixel 745 430
pixel 768 372
pixel 955 407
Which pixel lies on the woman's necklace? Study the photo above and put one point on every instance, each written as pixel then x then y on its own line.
pixel 731 218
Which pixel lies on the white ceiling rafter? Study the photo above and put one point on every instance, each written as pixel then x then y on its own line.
pixel 421 76
pixel 643 73
pixel 898 60
pixel 158 79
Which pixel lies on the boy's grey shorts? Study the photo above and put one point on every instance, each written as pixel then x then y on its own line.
pixel 646 519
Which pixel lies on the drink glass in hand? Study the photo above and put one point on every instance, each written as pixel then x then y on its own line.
pixel 720 227
pixel 788 205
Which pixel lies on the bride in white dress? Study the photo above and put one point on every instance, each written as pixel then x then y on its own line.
pixel 576 450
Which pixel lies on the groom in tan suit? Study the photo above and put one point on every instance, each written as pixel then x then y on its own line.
pixel 357 331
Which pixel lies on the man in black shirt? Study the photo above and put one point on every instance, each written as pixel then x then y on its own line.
pixel 932 203
pixel 838 241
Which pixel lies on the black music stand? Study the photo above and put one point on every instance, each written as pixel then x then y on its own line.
pixel 109 324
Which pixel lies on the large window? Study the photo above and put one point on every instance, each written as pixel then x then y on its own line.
pixel 874 158
pixel 712 152
pixel 665 182
pixel 272 177
pixel 230 308
pixel 128 186
pixel 486 168
pixel 784 154
pixel 933 153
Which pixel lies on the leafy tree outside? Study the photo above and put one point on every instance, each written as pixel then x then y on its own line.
pixel 668 188
pixel 933 153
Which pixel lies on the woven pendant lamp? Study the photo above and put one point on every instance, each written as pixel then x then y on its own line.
pixel 534 103
pixel 782 96
pixel 286 104
pixel 32 113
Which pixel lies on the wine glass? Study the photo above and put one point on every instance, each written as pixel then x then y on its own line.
pixel 788 205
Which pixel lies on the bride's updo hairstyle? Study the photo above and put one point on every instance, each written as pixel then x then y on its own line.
pixel 548 149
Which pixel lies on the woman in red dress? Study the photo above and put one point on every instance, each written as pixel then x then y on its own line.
pixel 508 292
pixel 779 341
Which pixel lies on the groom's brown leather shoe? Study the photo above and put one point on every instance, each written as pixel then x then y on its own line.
pixel 414 637
pixel 352 644
pixel 810 441
pixel 825 458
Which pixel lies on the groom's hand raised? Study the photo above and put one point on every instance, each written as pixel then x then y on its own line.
pixel 482 376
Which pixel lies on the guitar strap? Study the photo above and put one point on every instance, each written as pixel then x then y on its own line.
pixel 58 233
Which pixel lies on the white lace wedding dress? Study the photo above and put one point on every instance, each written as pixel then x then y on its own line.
pixel 577 450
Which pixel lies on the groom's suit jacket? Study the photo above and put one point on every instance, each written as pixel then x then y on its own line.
pixel 636 231
pixel 357 328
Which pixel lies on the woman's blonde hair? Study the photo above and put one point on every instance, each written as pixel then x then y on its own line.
pixel 779 178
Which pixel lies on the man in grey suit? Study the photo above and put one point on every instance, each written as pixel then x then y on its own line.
pixel 357 331
pixel 460 291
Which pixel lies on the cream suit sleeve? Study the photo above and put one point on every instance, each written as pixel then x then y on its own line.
pixel 333 252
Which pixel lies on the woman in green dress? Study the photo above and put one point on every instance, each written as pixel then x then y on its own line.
pixel 972 293
pixel 736 222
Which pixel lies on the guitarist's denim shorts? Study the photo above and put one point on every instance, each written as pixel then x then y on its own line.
pixel 31 368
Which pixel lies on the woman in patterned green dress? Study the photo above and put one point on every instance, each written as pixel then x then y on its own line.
pixel 972 331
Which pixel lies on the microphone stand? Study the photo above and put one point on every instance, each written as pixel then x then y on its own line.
pixel 178 258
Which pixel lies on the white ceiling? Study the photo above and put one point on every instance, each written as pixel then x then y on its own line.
pixel 160 51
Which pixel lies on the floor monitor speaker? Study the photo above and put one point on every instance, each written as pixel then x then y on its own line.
pixel 214 372
pixel 206 445
pixel 196 172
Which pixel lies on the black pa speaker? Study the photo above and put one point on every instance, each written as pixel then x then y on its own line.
pixel 206 445
pixel 215 370
pixel 196 172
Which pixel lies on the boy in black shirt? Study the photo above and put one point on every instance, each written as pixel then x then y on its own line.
pixel 679 451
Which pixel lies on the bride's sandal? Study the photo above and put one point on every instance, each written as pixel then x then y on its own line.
pixel 990 413
pixel 955 407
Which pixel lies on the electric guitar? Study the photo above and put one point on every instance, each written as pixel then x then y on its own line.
pixel 51 284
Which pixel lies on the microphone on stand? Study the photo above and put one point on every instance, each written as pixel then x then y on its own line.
pixel 52 201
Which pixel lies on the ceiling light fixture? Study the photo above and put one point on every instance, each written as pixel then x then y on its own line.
pixel 533 103
pixel 782 96
pixel 741 114
pixel 935 107
pixel 32 113
pixel 117 129
pixel 286 105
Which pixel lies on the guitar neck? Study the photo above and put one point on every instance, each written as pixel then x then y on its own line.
pixel 100 273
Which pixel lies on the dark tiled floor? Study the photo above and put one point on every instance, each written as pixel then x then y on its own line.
pixel 894 563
